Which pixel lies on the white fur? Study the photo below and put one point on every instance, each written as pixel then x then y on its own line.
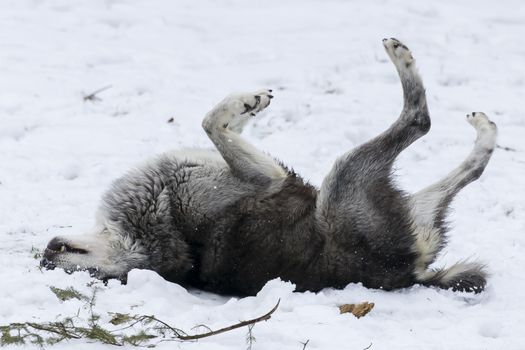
pixel 228 119
pixel 108 252
pixel 425 202
pixel 427 245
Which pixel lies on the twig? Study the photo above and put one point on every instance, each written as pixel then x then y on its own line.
pixel 175 331
pixel 93 318
pixel 368 347
pixel 305 343
pixel 58 226
pixel 264 317
pixel 64 332
pixel 203 326
pixel 93 96
pixel 505 148
pixel 249 337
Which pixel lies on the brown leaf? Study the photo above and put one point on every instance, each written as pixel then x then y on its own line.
pixel 358 310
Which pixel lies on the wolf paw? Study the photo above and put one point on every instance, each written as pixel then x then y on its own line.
pixel 486 129
pixel 398 53
pixel 480 121
pixel 235 110
pixel 250 103
pixel 246 105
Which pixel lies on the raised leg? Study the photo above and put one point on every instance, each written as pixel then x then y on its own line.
pixel 223 125
pixel 364 173
pixel 429 206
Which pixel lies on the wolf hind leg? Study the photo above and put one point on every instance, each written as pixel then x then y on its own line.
pixel 362 176
pixel 429 207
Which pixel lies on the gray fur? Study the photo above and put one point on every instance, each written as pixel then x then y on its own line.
pixel 230 221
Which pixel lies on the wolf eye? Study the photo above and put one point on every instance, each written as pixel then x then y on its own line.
pixel 70 249
pixel 59 246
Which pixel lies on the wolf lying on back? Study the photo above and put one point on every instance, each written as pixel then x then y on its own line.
pixel 230 221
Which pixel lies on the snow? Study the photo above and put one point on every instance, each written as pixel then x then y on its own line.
pixel 334 89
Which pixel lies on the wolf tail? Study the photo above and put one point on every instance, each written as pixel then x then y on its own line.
pixel 462 276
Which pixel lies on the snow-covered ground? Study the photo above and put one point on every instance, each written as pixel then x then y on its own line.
pixel 334 89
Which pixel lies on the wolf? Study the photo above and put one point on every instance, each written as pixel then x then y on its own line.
pixel 229 220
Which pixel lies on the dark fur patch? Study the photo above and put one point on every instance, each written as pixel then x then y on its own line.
pixel 473 279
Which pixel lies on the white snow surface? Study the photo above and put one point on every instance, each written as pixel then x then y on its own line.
pixel 334 89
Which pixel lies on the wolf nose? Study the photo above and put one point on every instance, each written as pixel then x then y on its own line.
pixel 56 245
pixel 47 264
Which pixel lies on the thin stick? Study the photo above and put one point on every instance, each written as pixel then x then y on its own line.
pixel 264 317
pixel 175 331
pixel 44 327
pixel 93 96
pixel 305 343
pixel 368 347
pixel 505 148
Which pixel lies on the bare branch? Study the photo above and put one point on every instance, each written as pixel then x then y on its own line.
pixel 93 96
pixel 178 333
pixel 249 337
pixel 305 343
pixel 264 317
pixel 505 148
pixel 66 329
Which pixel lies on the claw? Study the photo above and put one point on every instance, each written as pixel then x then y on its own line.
pixel 247 108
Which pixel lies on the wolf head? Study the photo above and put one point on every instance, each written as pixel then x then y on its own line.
pixel 103 253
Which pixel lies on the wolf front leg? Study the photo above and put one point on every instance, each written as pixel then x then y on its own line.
pixel 223 125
